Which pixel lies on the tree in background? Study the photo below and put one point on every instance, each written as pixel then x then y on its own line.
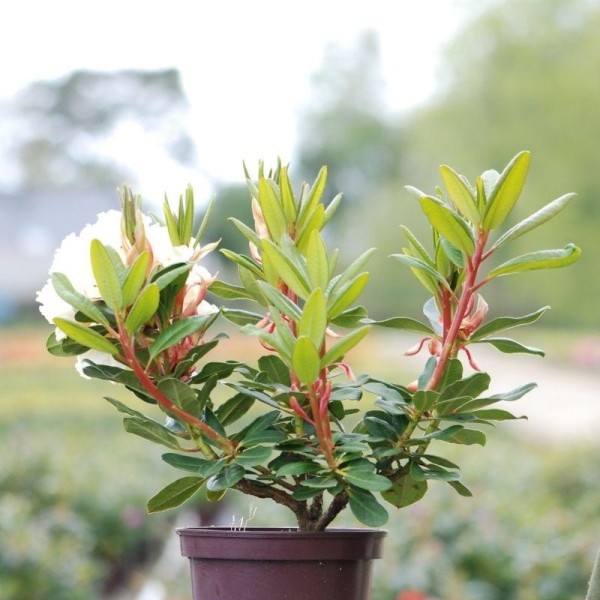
pixel 524 75
pixel 62 129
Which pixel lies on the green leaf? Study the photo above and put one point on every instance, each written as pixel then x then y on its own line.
pixel 343 297
pixel 504 323
pixel 365 507
pixel 177 332
pixel 405 491
pixel 135 278
pixel 306 493
pixel 515 394
pixel 297 468
pixel 191 464
pixel 425 400
pixel 227 478
pixel 271 209
pixel 416 246
pixel 461 490
pixel 344 345
pixel 171 274
pixel 295 279
pixel 277 371
pixel 221 289
pixel 313 198
pixel 233 409
pixel 106 276
pixel 144 309
pixel 306 362
pixel 469 386
pixel 351 317
pixel 320 483
pixel 246 231
pixel 66 291
pixel 427 373
pixel 544 259
pixel 367 480
pixel 151 430
pixel 280 301
pixel 506 191
pixel 257 455
pixel 509 346
pixel 351 272
pixel 315 223
pixel 452 226
pixel 287 196
pixel 123 408
pixel 181 394
pixel 460 194
pixel 332 208
pixel 313 321
pixel 496 414
pixel 403 324
pixel 317 262
pixel 240 317
pixel 420 265
pixel 243 261
pixel 175 494
pixel 468 437
pixel 86 337
pixel 64 347
pixel 535 220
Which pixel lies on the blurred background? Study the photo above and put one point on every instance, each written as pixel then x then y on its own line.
pixel 92 97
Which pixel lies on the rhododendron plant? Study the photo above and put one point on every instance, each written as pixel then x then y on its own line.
pixel 128 298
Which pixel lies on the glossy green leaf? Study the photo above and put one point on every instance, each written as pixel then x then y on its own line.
pixel 365 507
pixel 417 248
pixel 306 362
pixel 496 414
pixel 170 275
pixel 405 491
pixel 425 400
pixel 227 478
pixel 366 479
pixel 469 386
pixel 143 309
pixel 107 278
pixel 251 457
pixel 332 208
pixel 243 261
pixel 240 317
pixel 181 394
pixel 544 259
pixel 353 317
pixel 317 262
pixel 313 321
pixel 539 218
pixel 177 332
pixel 175 494
pixel 504 323
pixel 509 346
pixel 123 408
pixel 453 227
pixel 315 223
pixel 264 436
pixel 191 464
pixel 86 337
pixel 66 291
pixel 135 278
pixel 506 191
pixel 271 209
pixel 248 233
pixel 461 489
pixel 297 468
pixel 289 273
pixel 343 297
pixel 427 373
pixel 460 194
pixel 234 409
pixel 344 345
pixel 515 394
pixel 152 431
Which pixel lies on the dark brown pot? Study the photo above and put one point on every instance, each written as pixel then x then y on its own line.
pixel 281 564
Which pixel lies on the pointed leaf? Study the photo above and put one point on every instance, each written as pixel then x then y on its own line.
pixel 175 494
pixel 246 231
pixel 468 437
pixel 295 279
pixel 271 209
pixel 257 455
pixel 280 301
pixel 106 276
pixel 135 278
pixel 470 386
pixel 515 394
pixel 177 332
pixel 314 197
pixel 344 345
pixel 221 289
pixel 544 259
pixel 234 408
pixel 332 208
pixel 287 196
pixel 317 262
pixel 460 194
pixel 504 323
pixel 86 337
pixel 343 297
pixel 227 478
pixel 151 430
pixel 144 309
pixel 66 291
pixel 403 324
pixel 365 479
pixel 506 191
pixel 181 394
pixel 352 317
pixel 416 263
pixel 539 218
pixel 191 464
pixel 453 227
pixel 509 346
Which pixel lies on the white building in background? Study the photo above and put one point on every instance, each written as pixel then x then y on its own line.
pixel 32 225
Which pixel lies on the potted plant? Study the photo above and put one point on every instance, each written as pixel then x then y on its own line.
pixel 127 297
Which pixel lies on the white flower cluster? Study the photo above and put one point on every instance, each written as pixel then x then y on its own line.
pixel 72 259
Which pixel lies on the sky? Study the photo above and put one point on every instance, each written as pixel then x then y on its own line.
pixel 246 65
